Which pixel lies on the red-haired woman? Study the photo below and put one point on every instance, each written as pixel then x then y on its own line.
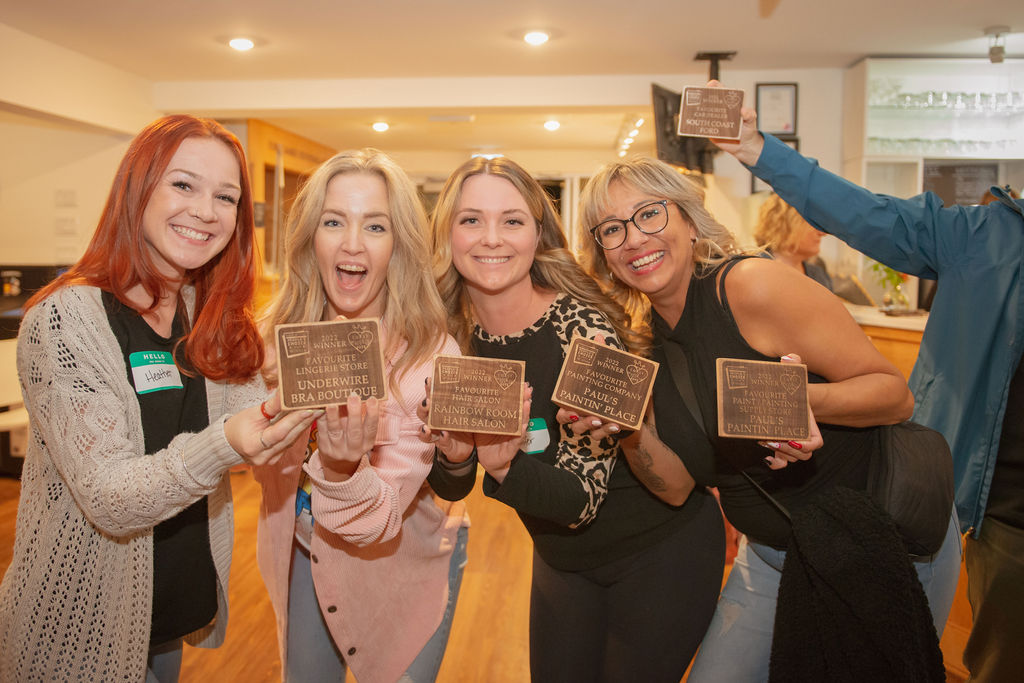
pixel 137 367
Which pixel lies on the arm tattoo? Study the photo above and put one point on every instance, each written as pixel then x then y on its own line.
pixel 641 465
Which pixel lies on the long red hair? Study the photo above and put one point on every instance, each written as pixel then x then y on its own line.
pixel 223 343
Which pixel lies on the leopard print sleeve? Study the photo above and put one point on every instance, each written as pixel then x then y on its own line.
pixel 591 462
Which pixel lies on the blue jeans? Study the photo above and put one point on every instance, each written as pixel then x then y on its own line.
pixel 738 644
pixel 310 651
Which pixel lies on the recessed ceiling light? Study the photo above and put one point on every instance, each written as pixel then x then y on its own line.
pixel 536 38
pixel 622 153
pixel 552 125
pixel 380 126
pixel 241 44
pixel 633 133
pixel 639 122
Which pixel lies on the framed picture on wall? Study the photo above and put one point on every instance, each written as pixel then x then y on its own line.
pixel 776 106
pixel 758 185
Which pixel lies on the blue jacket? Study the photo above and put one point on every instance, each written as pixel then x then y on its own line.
pixel 975 332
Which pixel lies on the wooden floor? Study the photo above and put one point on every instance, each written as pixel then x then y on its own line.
pixel 489 633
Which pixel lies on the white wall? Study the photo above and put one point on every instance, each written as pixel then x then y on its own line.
pixel 43 77
pixel 70 118
pixel 65 121
pixel 819 129
pixel 54 180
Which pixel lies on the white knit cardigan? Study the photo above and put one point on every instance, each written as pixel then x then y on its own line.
pixel 75 602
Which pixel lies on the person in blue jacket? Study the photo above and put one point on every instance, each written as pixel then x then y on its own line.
pixel 967 381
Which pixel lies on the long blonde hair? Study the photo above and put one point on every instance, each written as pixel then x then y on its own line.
pixel 554 267
pixel 780 228
pixel 715 243
pixel 412 308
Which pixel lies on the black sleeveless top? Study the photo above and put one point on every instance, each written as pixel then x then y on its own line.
pixel 705 332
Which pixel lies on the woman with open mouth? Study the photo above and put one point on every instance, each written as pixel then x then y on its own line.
pixel 362 565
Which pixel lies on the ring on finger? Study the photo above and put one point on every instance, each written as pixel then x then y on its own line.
pixel 264 443
pixel 263 409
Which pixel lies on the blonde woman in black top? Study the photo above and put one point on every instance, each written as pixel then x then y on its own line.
pixel 661 253
pixel 624 584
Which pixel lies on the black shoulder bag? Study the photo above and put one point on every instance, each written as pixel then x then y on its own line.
pixel 910 474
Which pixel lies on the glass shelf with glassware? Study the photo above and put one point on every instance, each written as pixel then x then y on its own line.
pixel 943 109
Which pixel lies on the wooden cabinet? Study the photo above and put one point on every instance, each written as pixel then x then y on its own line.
pixel 898 338
pixel 897 345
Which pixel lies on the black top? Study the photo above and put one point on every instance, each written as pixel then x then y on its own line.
pixel 547 488
pixel 184 576
pixel 816 270
pixel 1005 500
pixel 705 332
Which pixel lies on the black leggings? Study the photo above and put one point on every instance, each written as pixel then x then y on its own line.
pixel 640 618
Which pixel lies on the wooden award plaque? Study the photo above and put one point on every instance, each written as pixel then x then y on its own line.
pixel 481 395
pixel 710 113
pixel 322 363
pixel 762 400
pixel 608 383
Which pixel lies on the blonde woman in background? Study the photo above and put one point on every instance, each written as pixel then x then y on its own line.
pixel 791 240
pixel 362 566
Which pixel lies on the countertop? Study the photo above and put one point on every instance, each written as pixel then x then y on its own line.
pixel 870 315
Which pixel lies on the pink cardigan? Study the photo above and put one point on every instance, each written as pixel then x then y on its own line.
pixel 381 546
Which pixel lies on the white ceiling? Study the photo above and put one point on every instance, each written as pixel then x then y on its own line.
pixel 337 39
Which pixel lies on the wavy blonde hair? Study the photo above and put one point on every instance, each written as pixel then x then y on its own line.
pixel 412 308
pixel 779 226
pixel 554 266
pixel 715 243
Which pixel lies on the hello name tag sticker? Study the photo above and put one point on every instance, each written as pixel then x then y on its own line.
pixel 710 113
pixel 605 382
pixel 154 371
pixel 322 363
pixel 762 400
pixel 481 395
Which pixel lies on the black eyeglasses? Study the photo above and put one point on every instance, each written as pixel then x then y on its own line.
pixel 648 219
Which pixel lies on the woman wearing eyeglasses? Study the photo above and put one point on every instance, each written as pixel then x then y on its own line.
pixel 667 260
pixel 623 584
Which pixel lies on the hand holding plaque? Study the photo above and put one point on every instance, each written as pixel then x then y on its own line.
pixel 762 400
pixel 480 395
pixel 710 113
pixel 605 382
pixel 322 363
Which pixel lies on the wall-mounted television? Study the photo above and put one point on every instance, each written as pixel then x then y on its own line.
pixel 693 154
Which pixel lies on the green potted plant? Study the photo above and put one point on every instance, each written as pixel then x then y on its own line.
pixel 894 299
